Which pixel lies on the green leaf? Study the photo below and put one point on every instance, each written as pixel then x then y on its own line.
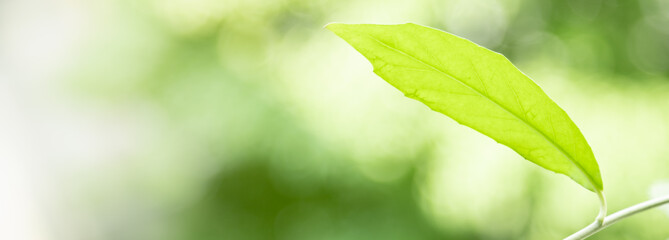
pixel 477 88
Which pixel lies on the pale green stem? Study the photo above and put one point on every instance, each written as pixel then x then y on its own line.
pixel 613 218
pixel 602 207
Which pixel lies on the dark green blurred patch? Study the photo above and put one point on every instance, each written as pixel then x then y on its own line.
pixel 605 37
pixel 246 202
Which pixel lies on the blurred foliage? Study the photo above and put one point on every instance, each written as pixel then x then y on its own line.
pixel 262 125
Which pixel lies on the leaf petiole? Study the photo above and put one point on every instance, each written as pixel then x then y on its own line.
pixel 602 207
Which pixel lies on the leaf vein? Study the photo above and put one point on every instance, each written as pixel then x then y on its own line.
pixel 551 142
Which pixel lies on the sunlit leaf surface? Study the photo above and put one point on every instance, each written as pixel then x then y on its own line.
pixel 477 88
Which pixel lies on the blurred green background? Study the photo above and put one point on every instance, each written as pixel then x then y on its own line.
pixel 205 119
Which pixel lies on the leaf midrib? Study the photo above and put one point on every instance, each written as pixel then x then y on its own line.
pixel 531 126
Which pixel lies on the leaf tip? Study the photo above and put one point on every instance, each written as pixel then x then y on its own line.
pixel 334 27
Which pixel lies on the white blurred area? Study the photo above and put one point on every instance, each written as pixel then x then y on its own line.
pixel 46 136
